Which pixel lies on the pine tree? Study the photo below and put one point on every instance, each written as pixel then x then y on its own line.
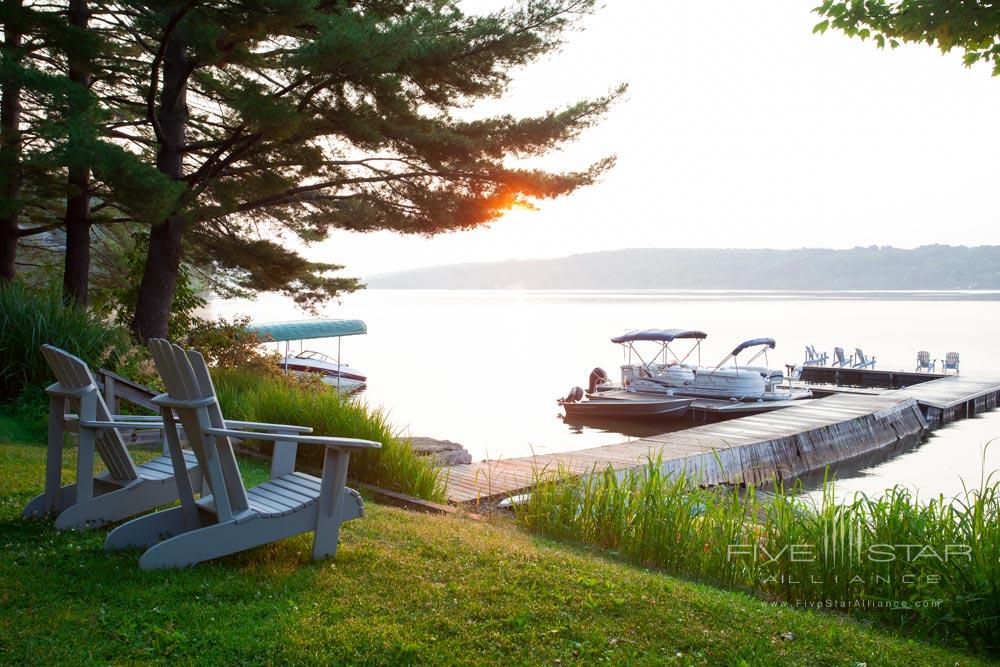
pixel 279 119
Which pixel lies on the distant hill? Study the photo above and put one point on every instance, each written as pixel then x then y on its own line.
pixel 872 268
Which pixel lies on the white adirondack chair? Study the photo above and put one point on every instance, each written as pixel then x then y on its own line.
pixel 124 489
pixel 233 518
pixel 925 363
pixel 840 360
pixel 950 362
pixel 814 358
pixel 861 361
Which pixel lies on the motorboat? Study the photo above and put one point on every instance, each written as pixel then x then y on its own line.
pixel 328 368
pixel 631 406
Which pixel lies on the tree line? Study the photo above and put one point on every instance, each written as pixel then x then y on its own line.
pixel 161 142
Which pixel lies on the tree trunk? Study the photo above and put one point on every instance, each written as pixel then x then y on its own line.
pixel 159 278
pixel 76 270
pixel 10 149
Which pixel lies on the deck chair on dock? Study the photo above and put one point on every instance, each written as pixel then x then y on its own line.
pixel 841 361
pixel 813 358
pixel 124 489
pixel 924 362
pixel 229 517
pixel 950 363
pixel 861 361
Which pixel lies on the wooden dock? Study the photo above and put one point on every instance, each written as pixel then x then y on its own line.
pixel 754 449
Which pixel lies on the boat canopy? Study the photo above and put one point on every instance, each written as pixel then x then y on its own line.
pixel 753 343
pixel 660 335
pixel 306 329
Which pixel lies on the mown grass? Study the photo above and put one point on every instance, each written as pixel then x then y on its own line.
pixel 404 589
pixel 250 395
pixel 931 568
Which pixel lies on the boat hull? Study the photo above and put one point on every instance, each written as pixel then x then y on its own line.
pixel 629 408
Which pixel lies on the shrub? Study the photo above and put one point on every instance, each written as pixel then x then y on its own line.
pixel 252 394
pixel 31 317
pixel 870 553
pixel 228 344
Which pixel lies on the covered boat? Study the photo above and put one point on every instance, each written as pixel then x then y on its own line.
pixel 329 368
pixel 664 366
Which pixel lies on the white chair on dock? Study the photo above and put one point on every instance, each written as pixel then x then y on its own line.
pixel 124 489
pixel 229 517
pixel 950 363
pixel 924 362
pixel 813 358
pixel 861 361
pixel 840 360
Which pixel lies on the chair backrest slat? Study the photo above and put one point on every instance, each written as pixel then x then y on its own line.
pixel 186 376
pixel 163 358
pixel 74 374
pixel 234 480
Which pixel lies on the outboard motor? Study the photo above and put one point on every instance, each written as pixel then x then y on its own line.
pixel 597 377
pixel 575 394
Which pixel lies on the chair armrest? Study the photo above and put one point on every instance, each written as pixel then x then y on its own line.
pixel 120 425
pixel 277 428
pixel 334 443
pixel 139 418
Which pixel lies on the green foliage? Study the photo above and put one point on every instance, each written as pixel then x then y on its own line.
pixel 970 25
pixel 783 547
pixel 30 318
pixel 228 344
pixel 253 395
pixel 404 588
pixel 187 297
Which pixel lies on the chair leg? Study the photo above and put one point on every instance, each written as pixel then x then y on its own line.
pixel 63 497
pixel 223 539
pixel 52 497
pixel 146 530
pixel 331 502
pixel 116 505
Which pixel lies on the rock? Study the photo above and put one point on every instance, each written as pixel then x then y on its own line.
pixel 445 452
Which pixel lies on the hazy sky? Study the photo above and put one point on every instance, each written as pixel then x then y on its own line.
pixel 741 129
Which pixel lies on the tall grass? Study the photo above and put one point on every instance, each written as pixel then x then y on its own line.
pixel 31 317
pixel 252 395
pixel 783 546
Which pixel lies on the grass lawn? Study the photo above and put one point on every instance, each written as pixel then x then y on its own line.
pixel 405 588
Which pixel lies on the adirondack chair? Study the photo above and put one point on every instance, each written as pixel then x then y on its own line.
pixel 124 489
pixel 813 358
pixel 924 362
pixel 861 361
pixel 231 517
pixel 840 360
pixel 950 362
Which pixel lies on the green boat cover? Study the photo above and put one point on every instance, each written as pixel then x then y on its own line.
pixel 306 329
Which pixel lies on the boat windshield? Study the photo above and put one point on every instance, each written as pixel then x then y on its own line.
pixel 317 356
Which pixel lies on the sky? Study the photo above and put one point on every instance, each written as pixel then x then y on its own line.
pixel 741 129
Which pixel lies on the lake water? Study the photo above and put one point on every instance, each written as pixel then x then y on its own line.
pixel 484 368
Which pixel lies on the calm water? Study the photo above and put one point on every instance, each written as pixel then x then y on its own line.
pixel 484 368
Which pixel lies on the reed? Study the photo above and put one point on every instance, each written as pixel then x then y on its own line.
pixel 32 317
pixel 926 567
pixel 252 395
